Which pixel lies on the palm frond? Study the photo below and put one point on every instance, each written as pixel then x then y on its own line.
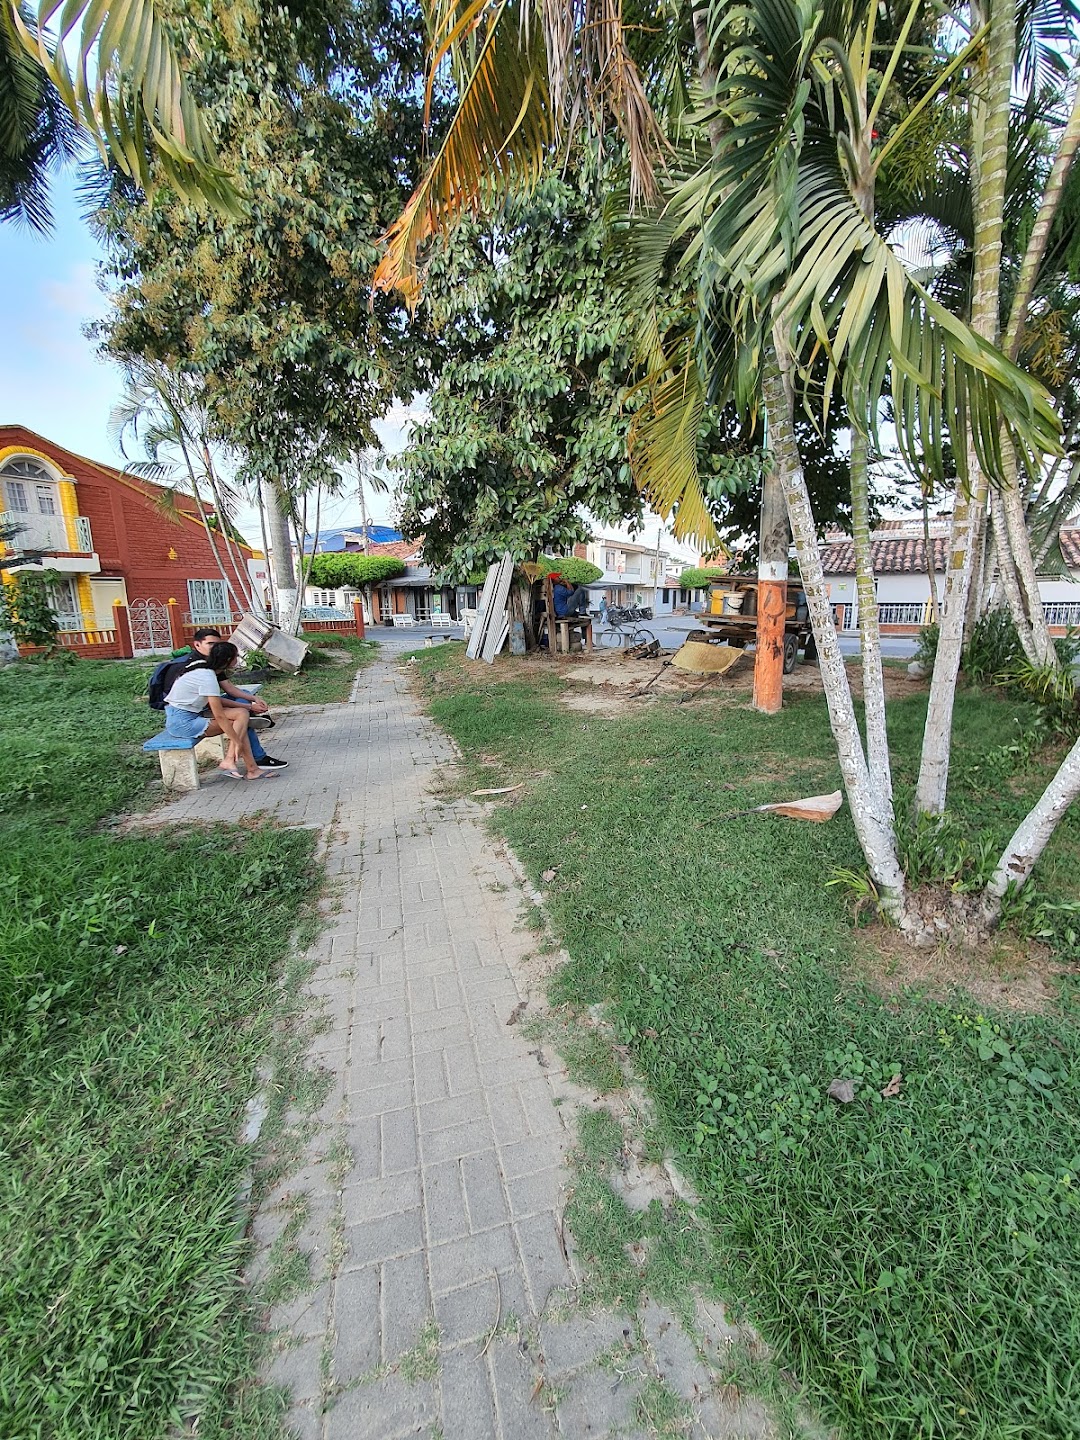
pixel 126 85
pixel 495 143
pixel 663 444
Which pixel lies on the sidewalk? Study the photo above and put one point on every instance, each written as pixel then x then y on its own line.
pixel 428 1192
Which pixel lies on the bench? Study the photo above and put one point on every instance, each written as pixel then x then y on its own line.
pixel 405 620
pixel 442 620
pixel 564 628
pixel 179 759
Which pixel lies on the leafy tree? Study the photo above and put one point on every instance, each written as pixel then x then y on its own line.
pixel 271 308
pixel 37 132
pixel 529 412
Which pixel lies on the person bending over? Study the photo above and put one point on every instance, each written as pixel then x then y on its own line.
pixel 200 648
pixel 195 708
pixel 569 601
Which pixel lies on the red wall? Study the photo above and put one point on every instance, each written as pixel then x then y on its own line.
pixel 131 534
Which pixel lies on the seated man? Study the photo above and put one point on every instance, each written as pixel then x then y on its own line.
pixel 570 602
pixel 201 645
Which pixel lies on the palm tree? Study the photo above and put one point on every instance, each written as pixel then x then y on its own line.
pixel 164 412
pixel 126 88
pixel 774 218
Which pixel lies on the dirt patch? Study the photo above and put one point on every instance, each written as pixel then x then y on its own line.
pixel 1004 973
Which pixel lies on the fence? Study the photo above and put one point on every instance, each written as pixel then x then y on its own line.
pixel 1062 614
pixel 90 644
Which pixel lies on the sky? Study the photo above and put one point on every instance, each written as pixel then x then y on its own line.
pixel 52 379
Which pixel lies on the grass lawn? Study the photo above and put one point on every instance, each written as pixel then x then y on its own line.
pixel 137 997
pixel 326 677
pixel 913 1259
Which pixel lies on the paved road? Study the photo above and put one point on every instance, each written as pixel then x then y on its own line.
pixel 426 1191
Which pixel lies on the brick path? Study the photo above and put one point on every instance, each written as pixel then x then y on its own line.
pixel 426 1191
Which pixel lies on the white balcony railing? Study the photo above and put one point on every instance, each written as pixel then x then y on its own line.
pixel 1062 612
pixel 46 533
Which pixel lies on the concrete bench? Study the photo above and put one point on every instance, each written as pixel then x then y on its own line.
pixel 179 759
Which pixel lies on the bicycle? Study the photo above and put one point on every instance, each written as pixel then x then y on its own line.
pixel 625 627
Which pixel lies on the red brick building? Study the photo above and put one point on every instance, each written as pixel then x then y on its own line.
pixel 115 537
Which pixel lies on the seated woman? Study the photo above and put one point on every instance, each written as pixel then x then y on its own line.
pixel 195 707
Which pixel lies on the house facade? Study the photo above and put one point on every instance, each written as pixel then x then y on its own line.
pixel 903 577
pixel 112 538
pixel 635 574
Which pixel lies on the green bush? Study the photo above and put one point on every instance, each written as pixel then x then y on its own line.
pixel 926 645
pixel 573 571
pixel 353 572
pixel 696 578
pixel 993 647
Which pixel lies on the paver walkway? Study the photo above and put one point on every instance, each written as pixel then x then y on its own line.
pixel 427 1196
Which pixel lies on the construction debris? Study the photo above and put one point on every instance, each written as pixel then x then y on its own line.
pixel 814 807
pixel 701 658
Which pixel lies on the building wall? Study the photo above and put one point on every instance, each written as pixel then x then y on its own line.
pixel 136 541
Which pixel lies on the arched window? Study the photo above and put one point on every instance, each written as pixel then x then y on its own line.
pixel 31 498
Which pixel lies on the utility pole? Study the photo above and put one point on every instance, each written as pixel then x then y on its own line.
pixel 363 504
pixel 656 573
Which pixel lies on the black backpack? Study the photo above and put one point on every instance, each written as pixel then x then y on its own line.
pixel 166 675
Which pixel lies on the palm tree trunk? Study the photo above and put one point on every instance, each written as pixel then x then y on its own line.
pixel 928 557
pixel 1035 636
pixel 1009 582
pixel 990 139
pixel 1034 831
pixel 877 736
pixel 873 823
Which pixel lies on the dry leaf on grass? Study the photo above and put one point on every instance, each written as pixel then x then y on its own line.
pixel 548 876
pixel 892 1088
pixel 842 1090
pixel 504 790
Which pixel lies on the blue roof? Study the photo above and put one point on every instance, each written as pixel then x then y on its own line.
pixel 332 542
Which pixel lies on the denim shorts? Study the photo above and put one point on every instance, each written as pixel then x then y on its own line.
pixel 185 724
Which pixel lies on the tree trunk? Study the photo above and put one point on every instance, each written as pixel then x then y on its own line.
pixel 990 136
pixel 1035 637
pixel 1033 833
pixel 877 735
pixel 1009 581
pixel 931 569
pixel 873 823
pixel 282 569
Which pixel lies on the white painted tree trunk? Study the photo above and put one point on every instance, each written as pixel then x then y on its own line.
pixel 877 734
pixel 1009 581
pixel 1034 832
pixel 1036 641
pixel 282 569
pixel 989 156
pixel 873 823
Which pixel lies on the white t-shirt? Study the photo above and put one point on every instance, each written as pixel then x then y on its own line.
pixel 190 690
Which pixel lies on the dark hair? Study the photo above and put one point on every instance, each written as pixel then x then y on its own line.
pixel 206 631
pixel 222 654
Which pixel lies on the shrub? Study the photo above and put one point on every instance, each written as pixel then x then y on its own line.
pixel 926 645
pixel 993 647
pixel 696 578
pixel 573 571
pixel 338 572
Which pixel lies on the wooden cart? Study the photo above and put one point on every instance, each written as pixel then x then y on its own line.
pixel 732 618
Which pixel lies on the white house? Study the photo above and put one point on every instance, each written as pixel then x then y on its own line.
pixel 898 552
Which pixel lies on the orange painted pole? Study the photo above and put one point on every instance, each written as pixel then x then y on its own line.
pixel 773 541
pixel 122 626
pixel 358 616
pixel 176 624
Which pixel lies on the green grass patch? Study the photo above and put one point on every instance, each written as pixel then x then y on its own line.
pixel 324 678
pixel 912 1259
pixel 137 997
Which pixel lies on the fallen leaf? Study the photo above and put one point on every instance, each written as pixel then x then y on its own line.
pixel 503 790
pixel 892 1088
pixel 651 1033
pixel 537 1387
pixel 842 1090
pixel 517 1012
pixel 548 876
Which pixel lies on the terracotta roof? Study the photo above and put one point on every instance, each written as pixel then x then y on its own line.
pixel 905 554
pixel 397 549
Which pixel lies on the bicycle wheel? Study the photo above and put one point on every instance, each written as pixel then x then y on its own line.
pixel 643 637
pixel 610 639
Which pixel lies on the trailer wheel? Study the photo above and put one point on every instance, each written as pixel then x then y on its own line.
pixel 791 653
pixel 810 650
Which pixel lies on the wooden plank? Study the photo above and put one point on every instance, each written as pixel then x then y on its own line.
pixel 476 635
pixel 499 621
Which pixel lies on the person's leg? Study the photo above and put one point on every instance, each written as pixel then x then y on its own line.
pixel 578 604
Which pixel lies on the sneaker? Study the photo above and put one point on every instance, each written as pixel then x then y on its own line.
pixel 269 763
pixel 260 722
